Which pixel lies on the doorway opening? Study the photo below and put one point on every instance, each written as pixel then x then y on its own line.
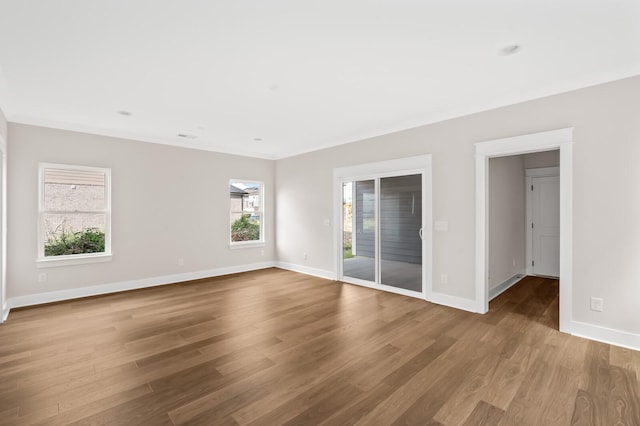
pixel 545 141
pixel 524 233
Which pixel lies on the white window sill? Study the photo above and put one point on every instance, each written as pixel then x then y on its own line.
pixel 247 244
pixel 78 259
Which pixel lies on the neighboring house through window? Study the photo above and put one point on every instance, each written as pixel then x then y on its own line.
pixel 74 214
pixel 246 212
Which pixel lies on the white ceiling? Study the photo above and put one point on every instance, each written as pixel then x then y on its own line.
pixel 297 75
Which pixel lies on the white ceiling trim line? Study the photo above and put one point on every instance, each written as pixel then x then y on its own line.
pixel 381 131
pixel 111 133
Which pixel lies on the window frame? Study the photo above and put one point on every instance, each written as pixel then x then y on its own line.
pixel 43 261
pixel 255 243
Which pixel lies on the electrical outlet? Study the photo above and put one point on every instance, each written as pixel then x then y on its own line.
pixel 444 278
pixel 596 304
pixel 181 262
pixel 261 252
pixel 42 277
pixel 304 256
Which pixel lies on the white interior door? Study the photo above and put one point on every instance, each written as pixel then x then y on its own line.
pixel 545 225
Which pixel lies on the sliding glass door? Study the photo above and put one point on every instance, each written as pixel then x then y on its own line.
pixel 400 230
pixel 382 233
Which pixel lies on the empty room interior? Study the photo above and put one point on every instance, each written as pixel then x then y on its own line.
pixel 260 213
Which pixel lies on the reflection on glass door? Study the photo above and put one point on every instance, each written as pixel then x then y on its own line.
pixel 400 229
pixel 359 229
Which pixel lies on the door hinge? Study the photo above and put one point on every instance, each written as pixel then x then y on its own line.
pixel 533 263
pixel 532 187
pixel 531 225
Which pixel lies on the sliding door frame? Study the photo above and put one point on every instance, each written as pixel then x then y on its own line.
pixel 375 171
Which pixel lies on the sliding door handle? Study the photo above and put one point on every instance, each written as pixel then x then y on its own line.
pixel 420 233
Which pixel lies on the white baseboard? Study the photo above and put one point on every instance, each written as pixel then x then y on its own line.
pixel 75 293
pixel 322 273
pixel 470 305
pixel 580 329
pixel 605 335
pixel 501 288
pixel 438 298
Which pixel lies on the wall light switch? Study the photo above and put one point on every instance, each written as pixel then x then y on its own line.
pixel 596 304
pixel 441 225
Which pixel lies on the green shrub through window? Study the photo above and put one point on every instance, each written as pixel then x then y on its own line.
pixel 88 241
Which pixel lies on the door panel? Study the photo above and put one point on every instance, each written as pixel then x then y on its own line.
pixel 400 224
pixel 546 226
pixel 359 230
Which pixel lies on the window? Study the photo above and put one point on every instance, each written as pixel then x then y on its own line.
pixel 247 214
pixel 74 214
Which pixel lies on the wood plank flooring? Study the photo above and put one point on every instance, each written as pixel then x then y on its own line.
pixel 275 347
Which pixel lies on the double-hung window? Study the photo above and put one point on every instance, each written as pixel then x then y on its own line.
pixel 246 203
pixel 74 214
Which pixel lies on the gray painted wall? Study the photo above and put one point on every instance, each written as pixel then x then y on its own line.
pixel 167 203
pixel 3 125
pixel 542 159
pixel 507 203
pixel 606 239
pixel 156 188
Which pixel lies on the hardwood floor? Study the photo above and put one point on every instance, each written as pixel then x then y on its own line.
pixel 275 347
